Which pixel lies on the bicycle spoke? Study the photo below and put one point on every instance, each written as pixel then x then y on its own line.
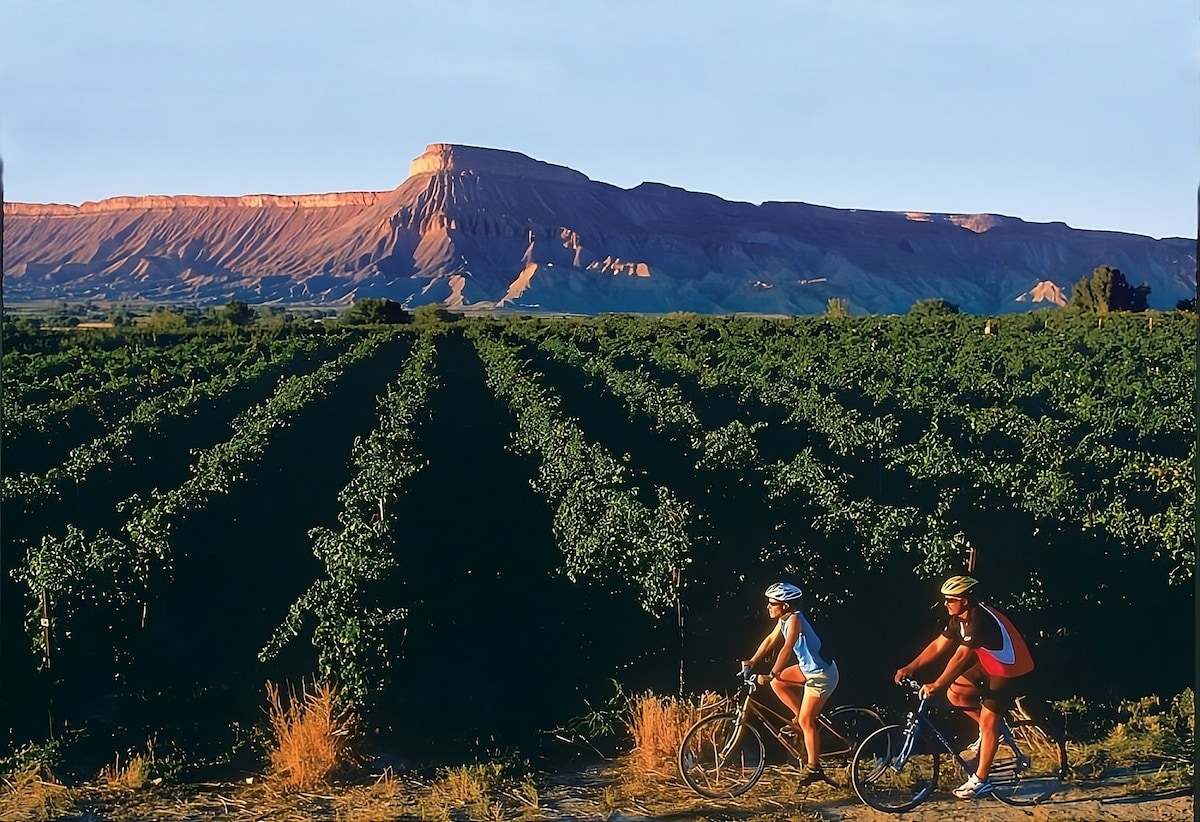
pixel 891 776
pixel 842 730
pixel 1036 772
pixel 720 757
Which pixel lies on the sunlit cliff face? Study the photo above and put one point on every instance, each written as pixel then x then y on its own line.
pixel 484 228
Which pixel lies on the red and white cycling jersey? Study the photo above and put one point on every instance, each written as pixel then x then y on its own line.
pixel 997 643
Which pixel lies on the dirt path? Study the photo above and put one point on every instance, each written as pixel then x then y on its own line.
pixel 1118 799
pixel 588 796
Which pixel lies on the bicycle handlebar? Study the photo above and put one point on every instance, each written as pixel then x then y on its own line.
pixel 748 677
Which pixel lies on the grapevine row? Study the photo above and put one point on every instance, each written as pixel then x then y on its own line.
pixel 78 567
pixel 149 415
pixel 349 630
pixel 600 523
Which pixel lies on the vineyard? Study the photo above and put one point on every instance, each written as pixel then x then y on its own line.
pixel 474 527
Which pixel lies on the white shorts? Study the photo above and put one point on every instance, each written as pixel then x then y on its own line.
pixel 823 682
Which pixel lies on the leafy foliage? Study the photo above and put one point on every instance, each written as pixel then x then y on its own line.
pixel 1107 290
pixel 349 631
pixel 837 308
pixel 865 444
pixel 602 525
pixel 372 311
pixel 933 308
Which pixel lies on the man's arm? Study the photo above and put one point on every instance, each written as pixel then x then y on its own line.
pixel 957 664
pixel 940 645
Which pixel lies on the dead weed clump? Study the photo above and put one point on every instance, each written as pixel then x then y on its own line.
pixel 469 787
pixel 312 737
pixel 485 791
pixel 133 776
pixel 657 725
pixel 34 794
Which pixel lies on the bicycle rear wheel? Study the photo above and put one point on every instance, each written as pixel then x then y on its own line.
pixel 891 776
pixel 841 732
pixel 1034 775
pixel 721 757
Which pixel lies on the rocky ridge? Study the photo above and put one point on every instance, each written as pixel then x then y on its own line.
pixel 487 229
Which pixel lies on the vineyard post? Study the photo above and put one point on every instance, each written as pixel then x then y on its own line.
pixel 677 578
pixel 46 656
pixel 970 558
pixel 46 627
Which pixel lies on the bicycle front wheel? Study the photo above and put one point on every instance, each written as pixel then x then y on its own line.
pixel 721 757
pixel 892 776
pixel 1034 773
pixel 841 732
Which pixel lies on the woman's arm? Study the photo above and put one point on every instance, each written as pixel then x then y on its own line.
pixel 764 648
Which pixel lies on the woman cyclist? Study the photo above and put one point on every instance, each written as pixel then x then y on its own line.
pixel 802 685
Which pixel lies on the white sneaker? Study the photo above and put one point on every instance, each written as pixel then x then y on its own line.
pixel 971 752
pixel 973 787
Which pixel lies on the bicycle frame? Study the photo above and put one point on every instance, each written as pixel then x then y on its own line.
pixel 774 722
pixel 919 720
pixel 722 755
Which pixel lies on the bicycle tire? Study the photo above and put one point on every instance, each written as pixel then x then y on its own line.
pixel 854 724
pixel 720 757
pixel 884 786
pixel 1017 783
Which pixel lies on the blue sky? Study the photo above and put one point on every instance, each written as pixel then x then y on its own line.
pixel 1081 111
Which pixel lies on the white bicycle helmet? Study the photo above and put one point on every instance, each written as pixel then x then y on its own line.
pixel 783 592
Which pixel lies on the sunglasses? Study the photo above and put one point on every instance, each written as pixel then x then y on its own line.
pixel 953 599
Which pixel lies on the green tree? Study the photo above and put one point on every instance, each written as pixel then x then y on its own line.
pixel 164 320
pixel 375 311
pixel 433 314
pixel 121 318
pixel 236 313
pixel 837 307
pixel 933 308
pixel 1108 290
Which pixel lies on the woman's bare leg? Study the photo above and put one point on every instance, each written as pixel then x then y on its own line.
pixel 810 707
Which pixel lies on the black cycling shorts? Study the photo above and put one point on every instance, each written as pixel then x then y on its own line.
pixel 997 693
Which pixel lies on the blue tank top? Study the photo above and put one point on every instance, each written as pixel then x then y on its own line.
pixel 807 647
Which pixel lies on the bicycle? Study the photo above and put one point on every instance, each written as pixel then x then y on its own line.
pixel 723 755
pixel 897 767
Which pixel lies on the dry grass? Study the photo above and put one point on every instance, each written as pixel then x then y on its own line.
pixel 133 776
pixel 1158 738
pixel 312 737
pixel 34 794
pixel 658 724
pixel 480 792
pixel 469 787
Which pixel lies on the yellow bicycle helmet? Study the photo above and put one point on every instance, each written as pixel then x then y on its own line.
pixel 957 586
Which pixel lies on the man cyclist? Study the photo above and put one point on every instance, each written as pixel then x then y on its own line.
pixel 800 675
pixel 986 654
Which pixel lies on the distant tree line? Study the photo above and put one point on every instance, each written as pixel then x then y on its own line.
pixel 1105 290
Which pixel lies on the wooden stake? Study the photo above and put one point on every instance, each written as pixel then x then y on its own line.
pixel 46 627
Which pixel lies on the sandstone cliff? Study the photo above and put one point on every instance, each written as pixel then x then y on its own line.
pixel 484 228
